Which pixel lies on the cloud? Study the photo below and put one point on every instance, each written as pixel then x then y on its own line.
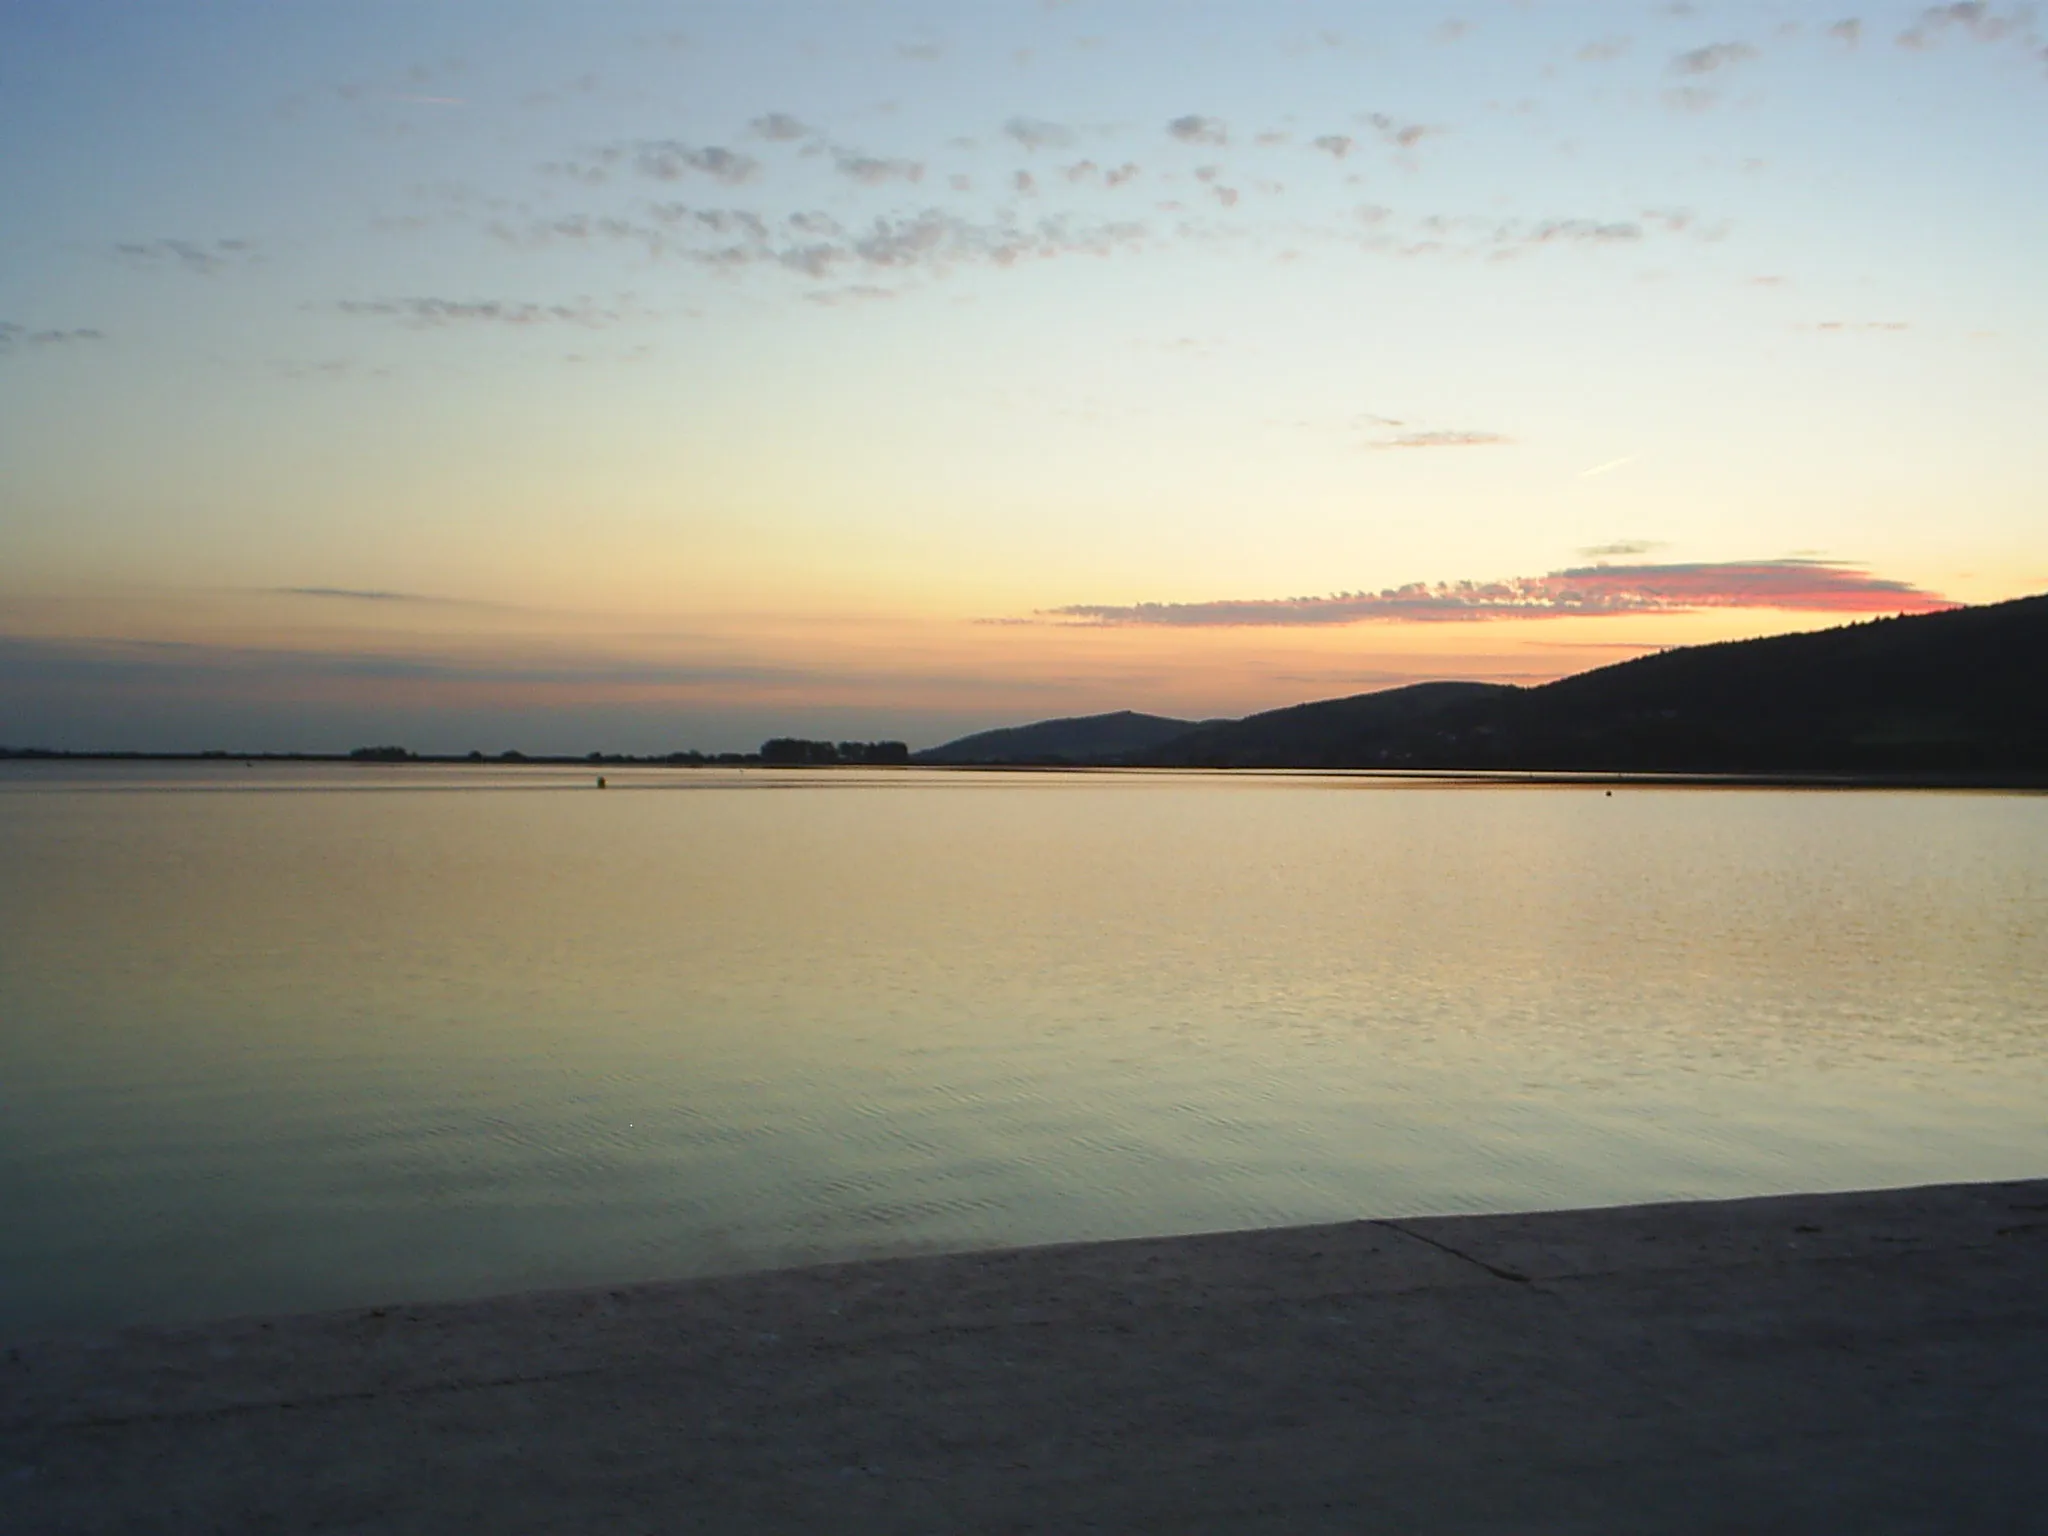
pixel 730 239
pixel 1848 30
pixel 583 228
pixel 14 338
pixel 670 160
pixel 780 128
pixel 1399 134
pixel 1620 547
pixel 873 171
pixel 1441 440
pixel 1037 133
pixel 1861 325
pixel 1603 50
pixel 1691 98
pixel 203 258
pixel 435 314
pixel 1195 129
pixel 812 244
pixel 1470 236
pixel 1806 586
pixel 923 53
pixel 157 662
pixel 1572 231
pixel 1972 17
pixel 160 672
pixel 852 293
pixel 1704 61
pixel 1673 221
pixel 1594 472
pixel 357 594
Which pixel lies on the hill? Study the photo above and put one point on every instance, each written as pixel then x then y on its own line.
pixel 1334 733
pixel 1959 692
pixel 1082 739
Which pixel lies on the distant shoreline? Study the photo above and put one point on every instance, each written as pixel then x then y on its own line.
pixel 1563 777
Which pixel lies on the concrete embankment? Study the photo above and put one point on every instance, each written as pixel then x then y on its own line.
pixel 1864 1362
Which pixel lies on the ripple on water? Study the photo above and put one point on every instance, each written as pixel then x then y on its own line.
pixel 262 1051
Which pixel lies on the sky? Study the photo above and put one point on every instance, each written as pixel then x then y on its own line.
pixel 489 374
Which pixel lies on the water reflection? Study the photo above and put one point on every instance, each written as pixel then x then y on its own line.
pixel 267 1048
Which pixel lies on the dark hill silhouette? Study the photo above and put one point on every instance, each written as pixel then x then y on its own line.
pixel 1335 733
pixel 1082 739
pixel 1959 692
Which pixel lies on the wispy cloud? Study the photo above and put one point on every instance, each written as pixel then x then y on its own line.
pixel 1603 50
pixel 15 338
pixel 356 594
pixel 852 293
pixel 1692 98
pixel 1196 129
pixel 203 258
pixel 1715 56
pixel 780 128
pixel 1399 134
pixel 1620 546
pixel 1595 472
pixel 1473 236
pixel 153 662
pixel 1038 133
pixel 165 669
pixel 817 246
pixel 672 160
pixel 434 314
pixel 1441 440
pixel 873 170
pixel 827 251
pixel 1971 18
pixel 1809 586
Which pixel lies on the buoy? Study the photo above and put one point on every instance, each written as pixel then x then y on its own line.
pixel 600 781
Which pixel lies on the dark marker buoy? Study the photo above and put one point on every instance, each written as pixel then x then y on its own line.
pixel 600 781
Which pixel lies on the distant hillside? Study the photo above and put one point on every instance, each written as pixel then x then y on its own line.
pixel 1965 691
pixel 1083 739
pixel 1335 733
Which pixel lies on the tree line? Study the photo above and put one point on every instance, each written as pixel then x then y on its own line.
pixel 794 752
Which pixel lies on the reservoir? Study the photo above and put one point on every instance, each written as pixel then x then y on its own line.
pixel 286 1037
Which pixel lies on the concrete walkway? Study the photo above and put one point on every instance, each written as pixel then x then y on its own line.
pixel 1861 1363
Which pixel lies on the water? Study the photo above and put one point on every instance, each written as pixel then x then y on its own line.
pixel 286 1038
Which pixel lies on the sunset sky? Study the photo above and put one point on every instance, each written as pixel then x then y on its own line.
pixel 516 373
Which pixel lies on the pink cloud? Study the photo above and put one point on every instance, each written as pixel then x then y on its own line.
pixel 1806 586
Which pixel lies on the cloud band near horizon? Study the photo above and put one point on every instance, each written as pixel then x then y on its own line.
pixel 1799 585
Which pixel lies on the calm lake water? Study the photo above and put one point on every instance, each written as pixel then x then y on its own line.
pixel 287 1038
